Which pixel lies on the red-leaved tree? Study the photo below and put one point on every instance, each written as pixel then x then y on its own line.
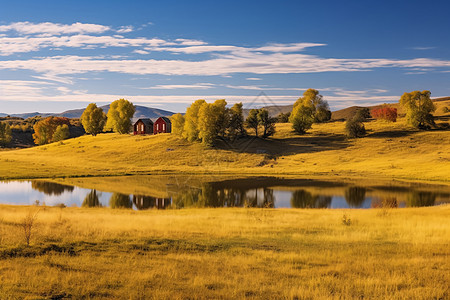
pixel 385 113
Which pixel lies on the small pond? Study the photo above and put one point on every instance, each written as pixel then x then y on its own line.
pixel 169 191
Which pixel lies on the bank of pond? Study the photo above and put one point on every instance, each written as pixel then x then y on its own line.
pixel 169 191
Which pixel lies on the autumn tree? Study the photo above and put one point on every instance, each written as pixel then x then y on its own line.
pixel 190 131
pixel 61 133
pixel 309 109
pixel 208 116
pixel 419 109
pixel 5 133
pixel 223 117
pixel 119 116
pixel 385 113
pixel 177 121
pixel 45 129
pixel 267 122
pixel 236 121
pixel 93 119
pixel 252 120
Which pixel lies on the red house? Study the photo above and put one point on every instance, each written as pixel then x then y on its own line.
pixel 143 126
pixel 162 125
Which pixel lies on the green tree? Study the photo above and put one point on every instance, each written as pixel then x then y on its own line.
pixel 354 127
pixel 301 117
pixel 419 109
pixel 61 133
pixel 93 119
pixel 283 117
pixel 191 131
pixel 267 122
pixel 236 121
pixel 5 133
pixel 177 123
pixel 252 120
pixel 119 116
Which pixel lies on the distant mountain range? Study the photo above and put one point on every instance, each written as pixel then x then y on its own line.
pixel 141 112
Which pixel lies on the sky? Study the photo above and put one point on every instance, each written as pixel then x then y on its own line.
pixel 60 55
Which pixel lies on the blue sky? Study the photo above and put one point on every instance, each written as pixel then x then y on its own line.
pixel 58 55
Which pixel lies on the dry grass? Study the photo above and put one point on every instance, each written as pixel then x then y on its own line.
pixel 226 253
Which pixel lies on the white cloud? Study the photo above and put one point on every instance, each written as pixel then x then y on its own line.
pixel 336 102
pixel 423 48
pixel 275 63
pixel 53 28
pixel 196 86
pixel 253 78
pixel 141 52
pixel 125 29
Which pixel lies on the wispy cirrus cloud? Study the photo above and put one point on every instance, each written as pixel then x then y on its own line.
pixel 196 86
pixel 53 28
pixel 275 63
pixel 423 48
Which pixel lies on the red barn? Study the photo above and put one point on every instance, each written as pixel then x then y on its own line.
pixel 143 126
pixel 162 125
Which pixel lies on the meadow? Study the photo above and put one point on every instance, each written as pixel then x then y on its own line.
pixel 225 253
pixel 389 151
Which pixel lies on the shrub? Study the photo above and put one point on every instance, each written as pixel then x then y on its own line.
pixel 27 225
pixel 355 128
pixel 385 113
pixel 5 133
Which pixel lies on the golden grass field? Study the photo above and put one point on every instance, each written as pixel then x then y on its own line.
pixel 390 150
pixel 226 253
pixel 231 253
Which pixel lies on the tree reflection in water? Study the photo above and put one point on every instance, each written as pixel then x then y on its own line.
pixel 355 196
pixel 51 188
pixel 418 199
pixel 118 200
pixel 210 196
pixel 304 199
pixel 146 202
pixel 91 200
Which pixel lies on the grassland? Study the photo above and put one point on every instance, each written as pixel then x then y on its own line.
pixel 226 253
pixel 390 150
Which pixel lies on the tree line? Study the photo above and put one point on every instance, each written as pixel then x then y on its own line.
pixel 208 122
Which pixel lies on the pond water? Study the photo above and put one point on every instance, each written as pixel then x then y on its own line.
pixel 145 192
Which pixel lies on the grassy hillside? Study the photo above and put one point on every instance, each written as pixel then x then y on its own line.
pixel 226 253
pixel 389 150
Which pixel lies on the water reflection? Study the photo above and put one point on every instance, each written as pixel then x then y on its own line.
pixel 118 200
pixel 304 199
pixel 146 202
pixel 355 196
pixel 209 195
pixel 421 199
pixel 51 188
pixel 91 200
pixel 162 192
